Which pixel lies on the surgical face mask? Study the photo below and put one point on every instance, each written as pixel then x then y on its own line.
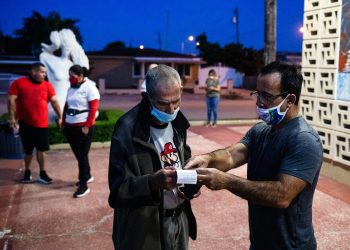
pixel 272 116
pixel 162 116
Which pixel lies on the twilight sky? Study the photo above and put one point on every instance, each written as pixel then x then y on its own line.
pixel 137 22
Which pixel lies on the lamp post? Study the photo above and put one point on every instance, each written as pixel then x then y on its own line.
pixel 190 39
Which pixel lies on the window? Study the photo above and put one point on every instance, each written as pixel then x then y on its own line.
pixel 187 70
pixel 136 69
pixel 184 70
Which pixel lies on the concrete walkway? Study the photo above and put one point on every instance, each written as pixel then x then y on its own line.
pixel 35 216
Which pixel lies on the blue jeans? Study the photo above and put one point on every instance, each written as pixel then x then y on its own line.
pixel 212 107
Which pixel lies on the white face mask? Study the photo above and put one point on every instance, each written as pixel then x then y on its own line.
pixel 272 116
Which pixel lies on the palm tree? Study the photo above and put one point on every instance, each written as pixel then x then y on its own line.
pixel 37 28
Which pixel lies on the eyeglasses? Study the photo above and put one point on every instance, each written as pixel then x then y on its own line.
pixel 266 97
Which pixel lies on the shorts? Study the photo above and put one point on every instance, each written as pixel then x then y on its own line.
pixel 33 137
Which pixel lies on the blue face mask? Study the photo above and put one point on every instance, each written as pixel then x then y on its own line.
pixel 272 116
pixel 162 116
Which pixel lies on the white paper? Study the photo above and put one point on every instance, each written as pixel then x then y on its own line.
pixel 186 177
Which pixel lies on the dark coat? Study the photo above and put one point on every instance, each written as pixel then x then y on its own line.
pixel 138 212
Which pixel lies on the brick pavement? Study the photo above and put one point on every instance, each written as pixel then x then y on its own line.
pixel 35 216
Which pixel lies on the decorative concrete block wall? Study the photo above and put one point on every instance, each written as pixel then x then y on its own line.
pixel 320 66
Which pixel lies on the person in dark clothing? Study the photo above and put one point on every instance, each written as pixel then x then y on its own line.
pixel 284 156
pixel 148 145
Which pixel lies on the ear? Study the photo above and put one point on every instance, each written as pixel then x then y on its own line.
pixel 291 99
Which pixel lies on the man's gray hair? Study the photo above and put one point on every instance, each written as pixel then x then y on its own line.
pixel 159 73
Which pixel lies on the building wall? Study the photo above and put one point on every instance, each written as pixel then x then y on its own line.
pixel 192 80
pixel 320 67
pixel 116 72
pixel 20 69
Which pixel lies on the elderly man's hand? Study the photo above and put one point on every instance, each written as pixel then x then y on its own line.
pixel 199 161
pixel 212 178
pixel 164 178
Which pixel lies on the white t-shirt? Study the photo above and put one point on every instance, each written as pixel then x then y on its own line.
pixel 78 98
pixel 169 156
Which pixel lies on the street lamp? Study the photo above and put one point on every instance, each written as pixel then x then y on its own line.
pixel 142 47
pixel 190 39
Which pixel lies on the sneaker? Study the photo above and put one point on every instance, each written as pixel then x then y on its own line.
pixel 27 178
pixel 44 178
pixel 213 125
pixel 81 191
pixel 88 181
pixel 207 124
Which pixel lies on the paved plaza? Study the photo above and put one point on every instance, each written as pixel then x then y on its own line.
pixel 35 216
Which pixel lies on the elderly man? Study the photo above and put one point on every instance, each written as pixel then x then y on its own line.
pixel 284 156
pixel 148 145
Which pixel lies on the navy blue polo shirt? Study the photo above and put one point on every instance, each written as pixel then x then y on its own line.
pixel 294 150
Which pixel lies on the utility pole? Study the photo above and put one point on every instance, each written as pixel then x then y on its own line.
pixel 270 31
pixel 235 22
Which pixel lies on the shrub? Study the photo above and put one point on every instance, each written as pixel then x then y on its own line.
pixel 103 128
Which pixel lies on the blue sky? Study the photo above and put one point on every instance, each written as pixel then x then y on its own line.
pixel 139 21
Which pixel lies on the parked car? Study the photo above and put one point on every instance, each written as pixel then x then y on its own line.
pixel 5 80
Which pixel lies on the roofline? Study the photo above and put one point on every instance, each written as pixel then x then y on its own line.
pixel 109 57
pixel 18 62
pixel 197 60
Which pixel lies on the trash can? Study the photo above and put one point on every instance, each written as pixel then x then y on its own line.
pixel 10 144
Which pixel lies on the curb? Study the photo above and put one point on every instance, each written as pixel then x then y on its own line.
pixel 227 122
pixel 107 144
pixel 95 145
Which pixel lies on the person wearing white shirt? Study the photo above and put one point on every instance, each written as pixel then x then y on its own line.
pixel 79 119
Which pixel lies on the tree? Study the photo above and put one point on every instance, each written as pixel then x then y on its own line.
pixel 116 44
pixel 14 46
pixel 211 52
pixel 37 28
pixel 246 60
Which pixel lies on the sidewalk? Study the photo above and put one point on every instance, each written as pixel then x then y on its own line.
pixel 193 105
pixel 35 216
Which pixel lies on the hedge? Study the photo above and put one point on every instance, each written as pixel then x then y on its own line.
pixel 103 129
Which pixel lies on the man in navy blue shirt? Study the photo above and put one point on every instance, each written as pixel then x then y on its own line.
pixel 284 156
